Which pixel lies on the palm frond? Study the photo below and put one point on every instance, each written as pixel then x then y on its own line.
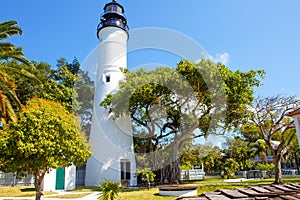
pixel 15 54
pixel 21 70
pixel 8 29
pixel 6 45
pixel 10 111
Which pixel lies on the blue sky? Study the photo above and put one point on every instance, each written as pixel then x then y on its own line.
pixel 243 34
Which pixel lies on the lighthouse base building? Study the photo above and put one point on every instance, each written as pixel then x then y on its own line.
pixel 111 140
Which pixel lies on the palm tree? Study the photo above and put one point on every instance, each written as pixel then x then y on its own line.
pixel 9 100
pixel 260 148
pixel 9 51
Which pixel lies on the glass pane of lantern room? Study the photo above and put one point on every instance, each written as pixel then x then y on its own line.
pixel 114 8
pixel 108 8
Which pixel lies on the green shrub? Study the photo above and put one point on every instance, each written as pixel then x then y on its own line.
pixel 110 189
pixel 147 175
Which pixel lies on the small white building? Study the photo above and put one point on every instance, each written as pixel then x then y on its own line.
pixel 60 179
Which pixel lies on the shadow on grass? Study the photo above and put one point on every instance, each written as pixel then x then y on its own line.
pixel 28 190
pixel 133 190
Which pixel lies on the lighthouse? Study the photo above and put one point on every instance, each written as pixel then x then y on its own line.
pixel 111 140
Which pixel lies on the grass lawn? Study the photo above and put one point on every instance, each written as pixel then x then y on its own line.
pixel 20 192
pixel 70 196
pixel 206 185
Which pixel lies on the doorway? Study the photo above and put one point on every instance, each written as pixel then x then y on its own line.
pixel 60 179
pixel 125 172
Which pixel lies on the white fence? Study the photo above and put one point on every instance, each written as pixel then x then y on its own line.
pixel 193 174
pixel 11 179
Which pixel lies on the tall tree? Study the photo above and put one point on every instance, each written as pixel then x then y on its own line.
pixel 174 106
pixel 9 101
pixel 66 83
pixel 47 136
pixel 274 127
pixel 260 148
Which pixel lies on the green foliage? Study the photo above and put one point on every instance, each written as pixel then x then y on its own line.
pixel 67 84
pixel 9 101
pixel 269 167
pixel 239 150
pixel 230 167
pixel 46 136
pixel 249 132
pixel 145 94
pixel 269 116
pixel 9 51
pixel 210 157
pixel 59 86
pixel 110 189
pixel 171 107
pixel 189 158
pixel 260 148
pixel 146 174
pixel 213 160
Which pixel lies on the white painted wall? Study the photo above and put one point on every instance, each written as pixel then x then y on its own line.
pixel 111 141
pixel 50 181
pixel 70 177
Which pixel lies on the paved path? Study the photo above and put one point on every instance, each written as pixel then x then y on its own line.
pixel 92 196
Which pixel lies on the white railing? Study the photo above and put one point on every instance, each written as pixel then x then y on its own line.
pixel 11 179
pixel 193 174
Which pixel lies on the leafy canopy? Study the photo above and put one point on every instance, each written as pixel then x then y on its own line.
pixel 170 107
pixel 167 101
pixel 46 136
pixel 9 53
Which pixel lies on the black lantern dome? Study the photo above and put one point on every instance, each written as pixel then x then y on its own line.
pixel 113 15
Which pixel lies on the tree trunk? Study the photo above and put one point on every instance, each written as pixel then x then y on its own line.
pixel 175 166
pixel 38 188
pixel 38 180
pixel 278 174
pixel 175 172
pixel 171 173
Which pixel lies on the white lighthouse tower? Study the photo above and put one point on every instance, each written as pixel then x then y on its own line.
pixel 112 143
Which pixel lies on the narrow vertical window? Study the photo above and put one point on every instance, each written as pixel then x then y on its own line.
pixel 107 78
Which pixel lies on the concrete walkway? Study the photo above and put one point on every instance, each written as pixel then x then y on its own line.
pixel 92 196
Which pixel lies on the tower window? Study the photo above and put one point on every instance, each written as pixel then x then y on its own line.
pixel 107 78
